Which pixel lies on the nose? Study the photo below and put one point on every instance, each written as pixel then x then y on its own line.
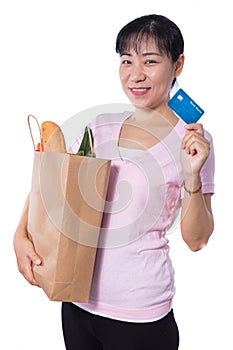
pixel 137 75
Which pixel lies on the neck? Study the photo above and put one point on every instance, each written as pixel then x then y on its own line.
pixel 156 116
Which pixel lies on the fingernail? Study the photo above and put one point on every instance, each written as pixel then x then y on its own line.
pixel 37 262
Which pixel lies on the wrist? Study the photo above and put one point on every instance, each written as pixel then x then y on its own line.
pixel 193 184
pixel 21 231
pixel 193 191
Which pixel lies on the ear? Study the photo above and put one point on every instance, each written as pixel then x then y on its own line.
pixel 179 65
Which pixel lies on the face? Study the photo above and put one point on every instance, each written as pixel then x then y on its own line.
pixel 147 76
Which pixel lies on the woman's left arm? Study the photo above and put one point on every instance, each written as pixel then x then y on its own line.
pixel 197 221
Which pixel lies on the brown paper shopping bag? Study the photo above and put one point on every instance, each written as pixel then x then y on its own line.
pixel 65 212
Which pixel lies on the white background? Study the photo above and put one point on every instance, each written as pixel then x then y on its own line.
pixel 57 58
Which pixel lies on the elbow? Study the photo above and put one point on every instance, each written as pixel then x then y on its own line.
pixel 196 246
pixel 197 240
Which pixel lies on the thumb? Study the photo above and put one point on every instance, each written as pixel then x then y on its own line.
pixel 35 259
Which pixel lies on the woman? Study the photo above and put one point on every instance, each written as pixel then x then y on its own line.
pixel 168 165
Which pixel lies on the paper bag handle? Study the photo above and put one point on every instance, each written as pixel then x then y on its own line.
pixel 30 129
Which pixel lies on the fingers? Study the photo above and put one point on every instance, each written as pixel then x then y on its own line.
pixel 26 257
pixel 25 268
pixel 197 127
pixel 35 259
pixel 32 260
pixel 194 141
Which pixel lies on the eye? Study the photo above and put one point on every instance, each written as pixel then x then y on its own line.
pixel 151 61
pixel 125 62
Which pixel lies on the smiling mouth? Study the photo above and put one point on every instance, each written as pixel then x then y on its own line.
pixel 139 91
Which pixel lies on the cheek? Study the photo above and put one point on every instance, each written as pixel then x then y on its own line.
pixel 123 79
pixel 122 74
pixel 162 78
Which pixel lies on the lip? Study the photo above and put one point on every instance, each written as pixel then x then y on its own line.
pixel 139 91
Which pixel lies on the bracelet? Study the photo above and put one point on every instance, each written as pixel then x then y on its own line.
pixel 193 192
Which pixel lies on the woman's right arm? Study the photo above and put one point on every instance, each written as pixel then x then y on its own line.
pixel 24 249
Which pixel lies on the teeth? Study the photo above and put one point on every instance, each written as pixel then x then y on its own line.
pixel 139 90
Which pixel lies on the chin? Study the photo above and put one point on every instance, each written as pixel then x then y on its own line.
pixel 142 106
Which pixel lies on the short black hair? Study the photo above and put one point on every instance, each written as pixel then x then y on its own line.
pixel 166 34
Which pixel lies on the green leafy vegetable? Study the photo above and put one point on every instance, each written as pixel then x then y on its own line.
pixel 86 147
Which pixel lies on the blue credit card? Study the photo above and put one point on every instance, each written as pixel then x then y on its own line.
pixel 185 107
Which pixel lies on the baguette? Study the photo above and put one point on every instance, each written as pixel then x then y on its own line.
pixel 53 138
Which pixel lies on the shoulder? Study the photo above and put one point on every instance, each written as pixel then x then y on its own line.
pixel 108 125
pixel 109 119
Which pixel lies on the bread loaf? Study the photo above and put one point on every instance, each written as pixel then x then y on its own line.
pixel 53 138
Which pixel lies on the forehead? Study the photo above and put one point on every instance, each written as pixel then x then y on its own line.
pixel 142 44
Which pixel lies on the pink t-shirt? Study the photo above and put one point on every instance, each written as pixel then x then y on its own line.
pixel 133 276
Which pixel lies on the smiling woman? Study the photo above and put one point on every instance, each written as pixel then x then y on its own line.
pixel 131 299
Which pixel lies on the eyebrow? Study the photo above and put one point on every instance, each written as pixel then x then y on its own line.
pixel 143 54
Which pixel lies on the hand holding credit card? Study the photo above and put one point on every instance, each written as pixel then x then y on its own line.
pixel 185 107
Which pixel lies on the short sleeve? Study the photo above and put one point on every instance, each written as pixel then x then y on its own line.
pixel 208 169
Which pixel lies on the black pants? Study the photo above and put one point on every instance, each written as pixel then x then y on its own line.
pixel 85 331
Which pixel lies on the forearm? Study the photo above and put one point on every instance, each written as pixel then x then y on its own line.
pixel 196 218
pixel 24 249
pixel 22 225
